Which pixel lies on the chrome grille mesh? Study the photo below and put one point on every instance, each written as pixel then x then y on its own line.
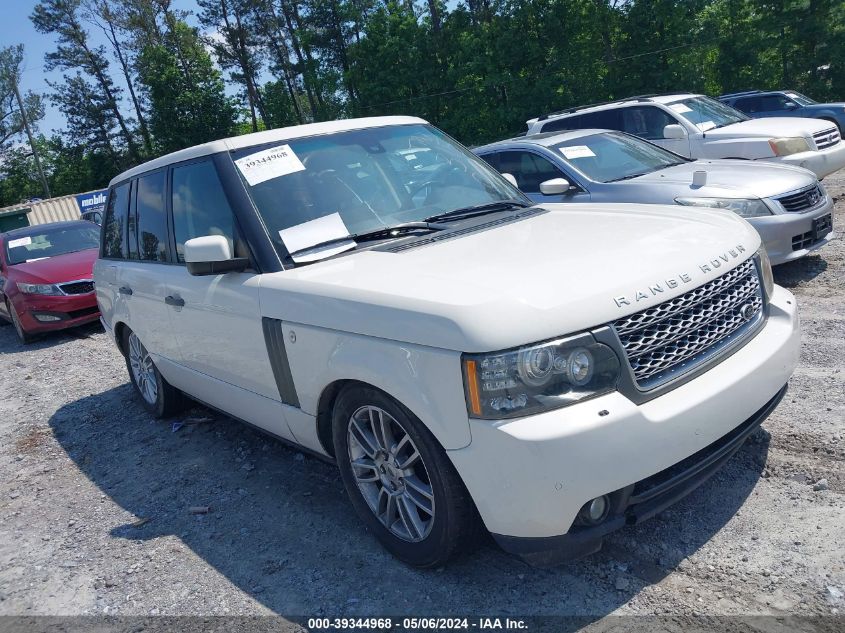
pixel 679 332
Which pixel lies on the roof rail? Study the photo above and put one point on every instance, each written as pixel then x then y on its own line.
pixel 740 94
pixel 645 97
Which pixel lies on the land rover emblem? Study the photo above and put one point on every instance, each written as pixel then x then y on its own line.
pixel 747 311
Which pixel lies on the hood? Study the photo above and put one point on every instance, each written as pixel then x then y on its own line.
pixel 58 269
pixel 730 178
pixel 572 268
pixel 770 127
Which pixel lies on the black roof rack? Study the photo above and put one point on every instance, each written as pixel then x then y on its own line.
pixel 742 93
pixel 645 97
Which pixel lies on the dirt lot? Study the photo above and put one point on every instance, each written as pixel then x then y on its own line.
pixel 96 498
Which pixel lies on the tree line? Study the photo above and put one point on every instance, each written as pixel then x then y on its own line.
pixel 476 68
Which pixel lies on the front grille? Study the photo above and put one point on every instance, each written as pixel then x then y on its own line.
pixel 678 334
pixel 827 138
pixel 77 287
pixel 803 199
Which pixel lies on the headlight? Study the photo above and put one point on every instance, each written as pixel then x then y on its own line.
pixel 743 207
pixel 537 378
pixel 766 271
pixel 789 145
pixel 39 289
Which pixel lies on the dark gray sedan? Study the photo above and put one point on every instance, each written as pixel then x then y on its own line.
pixel 787 205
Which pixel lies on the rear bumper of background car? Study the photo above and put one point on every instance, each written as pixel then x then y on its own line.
pixel 41 313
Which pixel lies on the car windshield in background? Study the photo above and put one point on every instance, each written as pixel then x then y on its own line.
pixel 706 113
pixel 608 157
pixel 800 99
pixel 363 180
pixel 51 242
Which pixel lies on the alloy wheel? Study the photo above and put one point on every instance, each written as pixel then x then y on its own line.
pixel 390 473
pixel 143 370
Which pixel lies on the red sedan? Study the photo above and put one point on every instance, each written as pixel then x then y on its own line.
pixel 46 277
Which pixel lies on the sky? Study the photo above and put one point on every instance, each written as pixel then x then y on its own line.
pixel 16 28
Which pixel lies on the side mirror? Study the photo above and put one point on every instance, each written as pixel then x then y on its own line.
pixel 511 179
pixel 674 131
pixel 555 187
pixel 790 105
pixel 212 255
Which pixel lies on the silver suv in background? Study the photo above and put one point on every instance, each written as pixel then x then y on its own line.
pixel 696 126
pixel 787 205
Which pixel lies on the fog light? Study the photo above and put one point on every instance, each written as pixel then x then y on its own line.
pixel 46 318
pixel 595 511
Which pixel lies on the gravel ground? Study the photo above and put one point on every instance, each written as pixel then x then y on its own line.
pixel 96 506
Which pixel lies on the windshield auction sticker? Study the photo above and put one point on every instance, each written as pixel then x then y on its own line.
pixel 303 236
pixel 680 108
pixel 577 151
pixel 268 164
pixel 21 241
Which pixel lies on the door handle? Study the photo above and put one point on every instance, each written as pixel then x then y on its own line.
pixel 174 301
pixel 125 290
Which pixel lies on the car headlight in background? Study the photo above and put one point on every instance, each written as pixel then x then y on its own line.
pixel 765 271
pixel 789 145
pixel 743 207
pixel 39 289
pixel 536 378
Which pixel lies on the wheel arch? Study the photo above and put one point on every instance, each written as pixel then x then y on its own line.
pixel 120 329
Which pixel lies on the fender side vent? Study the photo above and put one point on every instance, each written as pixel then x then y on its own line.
pixel 275 339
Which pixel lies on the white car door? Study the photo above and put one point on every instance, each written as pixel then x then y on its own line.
pixel 142 278
pixel 216 318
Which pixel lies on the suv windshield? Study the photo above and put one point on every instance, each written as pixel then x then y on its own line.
pixel 800 99
pixel 50 242
pixel 360 181
pixel 608 156
pixel 706 113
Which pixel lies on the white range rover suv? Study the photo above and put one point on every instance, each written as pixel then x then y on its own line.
pixel 549 372
pixel 696 126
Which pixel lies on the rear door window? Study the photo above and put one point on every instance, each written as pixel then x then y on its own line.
pixel 152 217
pixel 114 229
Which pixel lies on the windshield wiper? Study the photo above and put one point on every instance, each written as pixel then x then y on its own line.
pixel 376 234
pixel 629 176
pixel 478 209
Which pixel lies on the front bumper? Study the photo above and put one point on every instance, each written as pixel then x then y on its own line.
pixel 820 162
pixel 529 477
pixel 70 311
pixel 789 236
pixel 640 501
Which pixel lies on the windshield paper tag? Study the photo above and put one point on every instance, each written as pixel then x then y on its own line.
pixel 268 164
pixel 705 125
pixel 21 241
pixel 680 108
pixel 301 236
pixel 577 151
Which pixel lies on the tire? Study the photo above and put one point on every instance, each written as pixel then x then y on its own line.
pixel 157 395
pixel 431 517
pixel 23 336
